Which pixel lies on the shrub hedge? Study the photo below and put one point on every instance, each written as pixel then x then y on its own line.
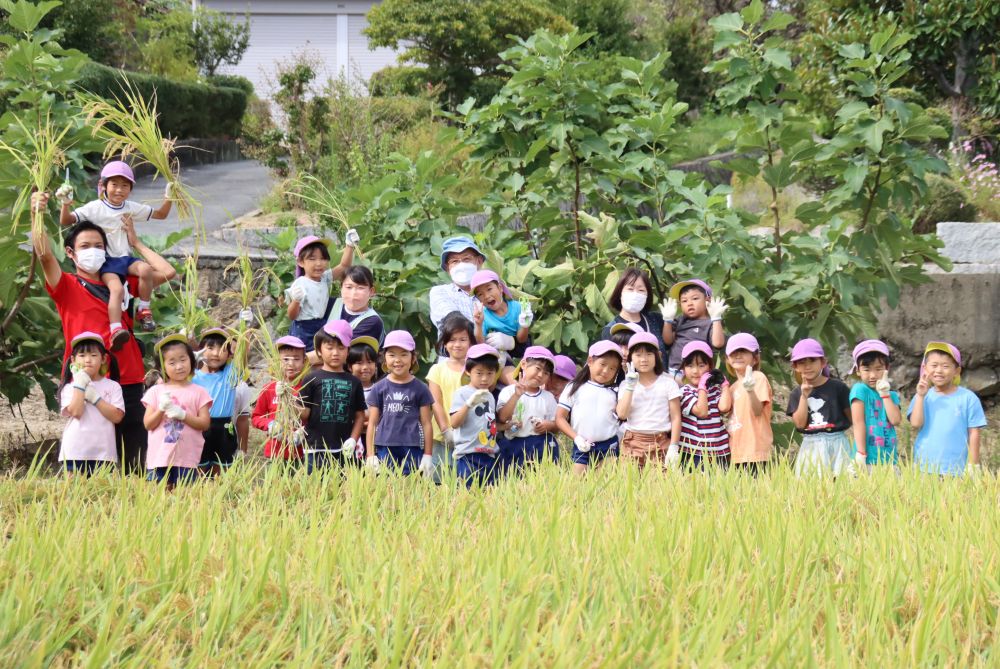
pixel 186 110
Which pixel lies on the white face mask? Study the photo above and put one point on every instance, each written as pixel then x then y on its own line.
pixel 462 273
pixel 632 301
pixel 90 260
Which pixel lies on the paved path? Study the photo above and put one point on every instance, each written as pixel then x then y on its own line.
pixel 225 190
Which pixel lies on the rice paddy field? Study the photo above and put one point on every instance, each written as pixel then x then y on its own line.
pixel 266 567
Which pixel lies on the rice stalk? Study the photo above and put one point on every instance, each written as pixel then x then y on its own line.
pixel 45 152
pixel 325 202
pixel 251 287
pixel 289 407
pixel 193 314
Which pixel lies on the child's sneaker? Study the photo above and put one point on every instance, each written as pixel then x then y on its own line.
pixel 145 318
pixel 119 337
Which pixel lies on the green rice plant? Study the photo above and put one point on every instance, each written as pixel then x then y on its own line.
pixel 324 202
pixel 289 407
pixel 252 285
pixel 193 314
pixel 44 154
pixel 129 127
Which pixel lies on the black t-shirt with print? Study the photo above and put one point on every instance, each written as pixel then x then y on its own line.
pixel 827 406
pixel 333 398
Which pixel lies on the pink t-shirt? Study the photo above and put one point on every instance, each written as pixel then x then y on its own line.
pixel 173 443
pixel 91 436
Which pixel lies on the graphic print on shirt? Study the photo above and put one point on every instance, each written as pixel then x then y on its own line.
pixel 398 402
pixel 487 438
pixel 816 419
pixel 173 429
pixel 334 401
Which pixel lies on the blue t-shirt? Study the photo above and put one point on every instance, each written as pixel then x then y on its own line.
pixel 399 411
pixel 506 324
pixel 880 435
pixel 221 385
pixel 942 445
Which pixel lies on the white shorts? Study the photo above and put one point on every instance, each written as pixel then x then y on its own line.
pixel 824 453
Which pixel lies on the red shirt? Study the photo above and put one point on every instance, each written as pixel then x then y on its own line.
pixel 263 413
pixel 81 311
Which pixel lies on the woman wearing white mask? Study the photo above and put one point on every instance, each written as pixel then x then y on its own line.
pixel 460 258
pixel 634 302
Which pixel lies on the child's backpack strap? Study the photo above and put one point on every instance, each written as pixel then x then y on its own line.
pixel 338 307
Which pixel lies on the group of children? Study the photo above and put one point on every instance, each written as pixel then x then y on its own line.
pixel 650 390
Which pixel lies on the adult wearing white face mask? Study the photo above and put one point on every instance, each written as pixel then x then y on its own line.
pixel 460 258
pixel 633 301
pixel 81 299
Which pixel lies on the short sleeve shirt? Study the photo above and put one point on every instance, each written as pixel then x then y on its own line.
pixel 334 400
pixel 478 434
pixel 399 407
pixel 880 435
pixel 651 322
pixel 448 381
pixel 541 406
pixel 687 330
pixel 91 436
pixel 592 410
pixel 313 305
pixel 827 406
pixel 369 326
pixel 109 218
pixel 703 436
pixel 650 410
pixel 942 444
pixel 174 443
pixel 750 437
pixel 447 298
pixel 507 324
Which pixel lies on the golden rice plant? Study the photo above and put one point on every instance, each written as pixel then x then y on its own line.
pixel 128 125
pixel 289 406
pixel 43 155
pixel 193 314
pixel 251 287
pixel 325 202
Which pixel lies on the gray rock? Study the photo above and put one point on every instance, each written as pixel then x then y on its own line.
pixel 984 381
pixel 971 242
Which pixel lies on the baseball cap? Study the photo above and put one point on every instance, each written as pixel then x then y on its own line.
pixel 535 353
pixel 289 340
pixel 485 276
pixel 948 349
pixel 304 242
pixel 868 346
pixel 694 347
pixel 675 290
pixel 634 328
pixel 365 339
pixel 565 367
pixel 603 347
pixel 644 338
pixel 400 339
pixel 807 348
pixel 742 341
pixel 88 336
pixel 340 330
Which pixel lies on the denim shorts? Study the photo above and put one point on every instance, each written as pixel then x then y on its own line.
pixel 404 458
pixel 172 475
pixel 477 467
pixel 600 450
pixel 306 330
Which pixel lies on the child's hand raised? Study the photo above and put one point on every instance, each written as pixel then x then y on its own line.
pixel 716 308
pixel 631 378
pixel 883 385
pixel 668 308
pixel 806 388
pixel 477 313
pixel 748 380
pixel 39 201
pixel 65 194
pixel 923 385
pixel 527 316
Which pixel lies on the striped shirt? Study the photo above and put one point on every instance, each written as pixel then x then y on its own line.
pixel 703 436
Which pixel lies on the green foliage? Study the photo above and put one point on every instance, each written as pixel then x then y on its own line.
pixel 609 21
pixel 231 81
pixel 399 80
pixel 945 201
pixel 186 109
pixel 458 41
pixel 37 76
pixel 98 28
pixel 217 40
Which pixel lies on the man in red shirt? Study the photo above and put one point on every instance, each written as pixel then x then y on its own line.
pixel 82 302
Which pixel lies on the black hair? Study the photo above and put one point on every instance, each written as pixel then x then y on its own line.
pixel 584 374
pixel 307 249
pixel 323 337
pixel 715 376
pixel 490 362
pixel 69 240
pixel 658 365
pixel 166 347
pixel 288 347
pixel 621 337
pixel 360 275
pixel 547 364
pixel 361 352
pixel 217 339
pixel 871 357
pixel 628 278
pixel 690 287
pixel 88 345
pixel 455 323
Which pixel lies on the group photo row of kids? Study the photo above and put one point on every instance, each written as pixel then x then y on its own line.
pixel 662 385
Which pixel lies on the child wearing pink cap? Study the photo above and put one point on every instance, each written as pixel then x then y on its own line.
pixel 281 446
pixel 334 402
pixel 949 417
pixel 309 294
pixel 691 313
pixel 751 439
pixel 586 412
pixel 820 407
pixel 399 412
pixel 93 405
pixel 500 321
pixel 527 413
pixel 649 403
pixel 705 400
pixel 472 416
pixel 875 409
pixel 564 372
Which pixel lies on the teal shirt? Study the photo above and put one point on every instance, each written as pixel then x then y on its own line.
pixel 880 435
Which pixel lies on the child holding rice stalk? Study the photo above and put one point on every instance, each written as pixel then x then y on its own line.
pixel 229 430
pixel 92 401
pixel 282 431
pixel 110 211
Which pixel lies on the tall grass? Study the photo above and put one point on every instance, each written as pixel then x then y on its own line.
pixel 265 568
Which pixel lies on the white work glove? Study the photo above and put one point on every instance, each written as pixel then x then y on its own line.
pixel 164 402
pixel 448 437
pixel 426 465
pixel 92 395
pixel 282 389
pixel 668 308
pixel 246 315
pixel 348 447
pixel 81 379
pixel 860 461
pixel 582 443
pixel 477 398
pixel 631 378
pixel 716 307
pixel 352 238
pixel 175 412
pixel 298 293
pixel 884 385
pixel 299 437
pixel 527 316
pixel 168 190
pixel 372 463
pixel 274 430
pixel 501 341
pixel 65 194
pixel 973 470
pixel 748 379
pixel 673 456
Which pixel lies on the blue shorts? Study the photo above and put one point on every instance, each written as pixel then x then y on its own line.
pixel 602 449
pixel 118 265
pixel 477 467
pixel 700 461
pixel 519 451
pixel 86 467
pixel 322 460
pixel 306 330
pixel 404 458
pixel 172 475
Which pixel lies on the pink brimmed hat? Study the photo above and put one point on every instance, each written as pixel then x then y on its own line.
pixel 289 340
pixel 480 350
pixel 304 242
pixel 696 346
pixel 535 353
pixel 341 330
pixel 565 367
pixel 603 347
pixel 868 346
pixel 742 341
pixel 88 336
pixel 399 339
pixel 485 276
pixel 644 338
pixel 807 348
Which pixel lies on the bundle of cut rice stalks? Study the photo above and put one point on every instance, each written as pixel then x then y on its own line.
pixel 43 155
pixel 289 430
pixel 252 284
pixel 324 202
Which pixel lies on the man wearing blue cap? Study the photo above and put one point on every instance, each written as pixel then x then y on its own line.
pixel 461 258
